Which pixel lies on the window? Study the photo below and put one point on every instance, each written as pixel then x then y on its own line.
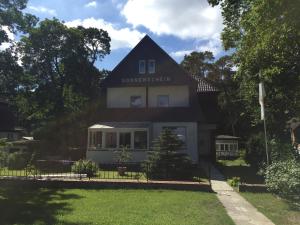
pixel 151 66
pixel 125 140
pixel 142 66
pixel 98 139
pixel 226 147
pixel 222 147
pixel 140 139
pixel 180 132
pixel 111 140
pixel 163 101
pixel 135 101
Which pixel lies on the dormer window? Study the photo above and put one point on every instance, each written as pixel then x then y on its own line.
pixel 151 66
pixel 142 66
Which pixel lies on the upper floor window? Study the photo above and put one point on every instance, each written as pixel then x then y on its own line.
pixel 163 101
pixel 136 101
pixel 151 66
pixel 142 66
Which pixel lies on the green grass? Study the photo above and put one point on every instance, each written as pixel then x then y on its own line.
pixel 109 207
pixel 238 168
pixel 280 211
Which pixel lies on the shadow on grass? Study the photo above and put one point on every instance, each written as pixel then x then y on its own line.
pixel 20 205
pixel 246 173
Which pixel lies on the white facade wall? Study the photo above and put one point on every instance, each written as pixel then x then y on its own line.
pixel 120 97
pixel 178 95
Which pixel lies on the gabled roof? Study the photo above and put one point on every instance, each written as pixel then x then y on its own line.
pixel 167 71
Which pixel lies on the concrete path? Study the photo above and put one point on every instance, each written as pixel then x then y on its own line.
pixel 240 211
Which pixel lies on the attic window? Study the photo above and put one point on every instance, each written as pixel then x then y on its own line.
pixel 142 66
pixel 151 66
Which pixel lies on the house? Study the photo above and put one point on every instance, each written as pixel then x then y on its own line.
pixel 146 93
pixel 227 146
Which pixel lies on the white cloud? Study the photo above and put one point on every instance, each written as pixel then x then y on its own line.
pixel 180 54
pixel 92 4
pixel 11 37
pixel 184 19
pixel 42 9
pixel 213 45
pixel 120 37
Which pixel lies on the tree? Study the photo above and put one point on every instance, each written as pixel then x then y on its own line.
pixel 60 63
pixel 198 63
pixel 266 35
pixel 12 17
pixel 165 161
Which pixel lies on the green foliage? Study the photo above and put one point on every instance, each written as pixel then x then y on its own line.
pixel 87 167
pixel 165 161
pixel 255 151
pixel 281 151
pixel 283 178
pixel 234 182
pixel 18 160
pixel 266 36
pixel 11 15
pixel 198 63
pixel 123 155
pixel 59 66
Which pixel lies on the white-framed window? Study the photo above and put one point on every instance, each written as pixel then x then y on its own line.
pixel 163 101
pixel 142 66
pixel 111 140
pixel 136 101
pixel 125 139
pixel 151 66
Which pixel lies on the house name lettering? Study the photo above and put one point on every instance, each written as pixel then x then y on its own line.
pixel 145 80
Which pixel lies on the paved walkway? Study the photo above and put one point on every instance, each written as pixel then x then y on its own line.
pixel 240 211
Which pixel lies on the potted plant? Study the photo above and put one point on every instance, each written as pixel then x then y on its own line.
pixel 123 156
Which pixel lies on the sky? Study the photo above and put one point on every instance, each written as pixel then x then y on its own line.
pixel 178 26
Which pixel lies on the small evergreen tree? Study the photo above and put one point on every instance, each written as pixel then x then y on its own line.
pixel 164 161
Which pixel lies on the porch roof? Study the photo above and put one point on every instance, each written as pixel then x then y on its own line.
pixel 111 125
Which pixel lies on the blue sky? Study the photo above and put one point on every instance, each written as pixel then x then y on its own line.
pixel 176 26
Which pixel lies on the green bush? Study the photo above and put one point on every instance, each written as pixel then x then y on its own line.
pixel 3 158
pixel 165 162
pixel 255 151
pixel 18 160
pixel 283 178
pixel 235 181
pixel 87 167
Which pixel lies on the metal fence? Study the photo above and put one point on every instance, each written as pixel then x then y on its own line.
pixel 62 169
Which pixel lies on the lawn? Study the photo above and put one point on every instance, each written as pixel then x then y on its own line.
pixel 280 211
pixel 119 206
pixel 238 168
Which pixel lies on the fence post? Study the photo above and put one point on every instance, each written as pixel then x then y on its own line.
pixel 147 171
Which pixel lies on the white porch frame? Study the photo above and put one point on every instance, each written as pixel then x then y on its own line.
pixel 117 131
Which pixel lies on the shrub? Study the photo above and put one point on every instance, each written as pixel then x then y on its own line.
pixel 256 151
pixel 165 161
pixel 87 167
pixel 283 178
pixel 3 158
pixel 235 181
pixel 18 160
